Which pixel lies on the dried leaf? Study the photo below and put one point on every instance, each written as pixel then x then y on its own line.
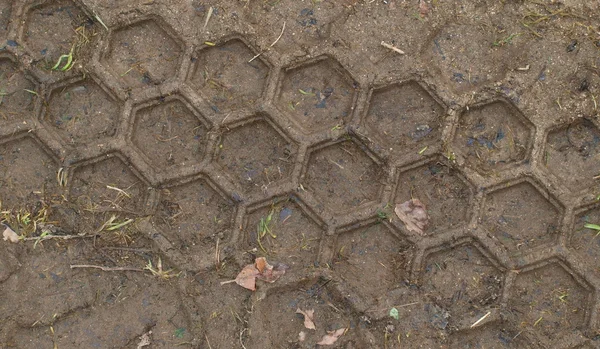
pixel 413 214
pixel 261 263
pixel 247 277
pixel 9 234
pixel 269 272
pixel 261 270
pixel 308 318
pixel 332 336
pixel 423 8
pixel 144 340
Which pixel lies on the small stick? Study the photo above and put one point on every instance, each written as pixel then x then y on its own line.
pixel 273 44
pixel 62 237
pixel 74 266
pixel 481 319
pixel 392 47
pixel 208 15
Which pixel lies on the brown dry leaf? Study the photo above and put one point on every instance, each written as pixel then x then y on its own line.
pixel 262 270
pixel 9 234
pixel 332 336
pixel 423 8
pixel 247 277
pixel 269 272
pixel 308 318
pixel 413 214
pixel 261 264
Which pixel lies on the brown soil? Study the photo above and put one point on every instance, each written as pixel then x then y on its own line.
pixel 149 150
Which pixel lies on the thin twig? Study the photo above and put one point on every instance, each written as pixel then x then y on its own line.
pixel 208 15
pixel 273 44
pixel 74 266
pixel 392 47
pixel 481 319
pixel 241 334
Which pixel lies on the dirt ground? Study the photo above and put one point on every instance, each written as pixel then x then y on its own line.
pixel 426 173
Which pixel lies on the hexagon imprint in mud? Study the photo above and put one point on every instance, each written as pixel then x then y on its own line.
pixel 463 281
pixel 52 28
pixel 142 54
pixel 256 154
pixel 493 135
pixel 279 307
pixel 225 77
pixel 284 230
pixel 360 254
pixel 444 191
pixel 16 103
pixel 343 176
pixel 82 112
pixel 585 241
pixel 405 116
pixel 170 134
pixel 25 168
pixel 521 217
pixel 105 187
pixel 549 301
pixel 193 216
pixel 572 154
pixel 317 95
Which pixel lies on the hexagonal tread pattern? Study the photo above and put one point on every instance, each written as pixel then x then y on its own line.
pixel 405 116
pixel 446 194
pixel 225 76
pixel 282 229
pixel 493 135
pixel 343 176
pixel 256 154
pixel 521 218
pixel 187 140
pixel 317 95
pixel 462 278
pixel 132 65
pixel 550 302
pixel 170 134
pixel 577 145
pixel 82 112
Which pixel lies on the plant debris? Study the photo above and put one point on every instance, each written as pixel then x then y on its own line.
pixel 8 234
pixel 394 313
pixel 413 214
pixel 332 336
pixel 261 270
pixel 308 318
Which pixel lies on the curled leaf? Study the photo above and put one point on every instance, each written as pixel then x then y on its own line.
pixel 413 214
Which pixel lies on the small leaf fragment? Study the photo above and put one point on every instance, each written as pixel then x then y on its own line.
pixel 8 234
pixel 413 214
pixel 308 318
pixel 394 313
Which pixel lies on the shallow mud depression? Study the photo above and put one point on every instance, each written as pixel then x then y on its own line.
pixel 299 174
